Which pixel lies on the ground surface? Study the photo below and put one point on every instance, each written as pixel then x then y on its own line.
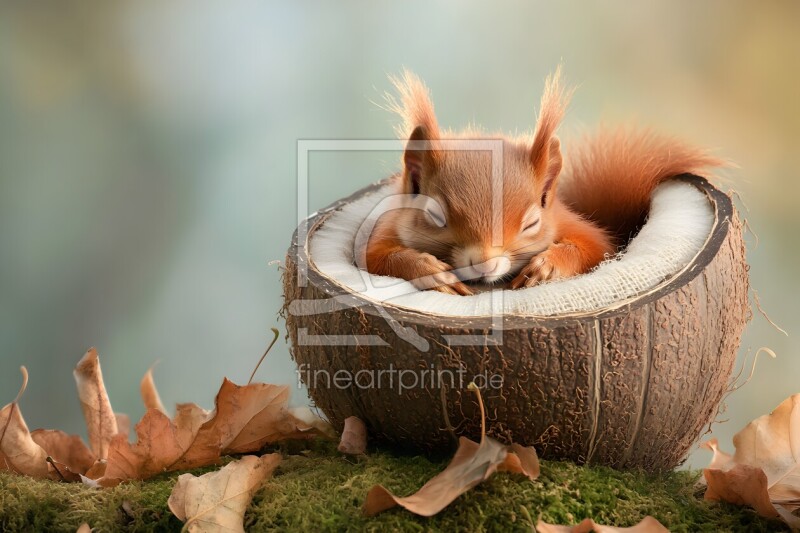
pixel 317 489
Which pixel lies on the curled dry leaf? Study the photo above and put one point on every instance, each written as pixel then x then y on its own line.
pixel 521 460
pixel 764 472
pixel 19 453
pixel 354 437
pixel 647 525
pixel 245 419
pixel 720 459
pixel 101 423
pixel 472 464
pixel 217 501
pixel 150 396
pixel 69 453
pixel 43 453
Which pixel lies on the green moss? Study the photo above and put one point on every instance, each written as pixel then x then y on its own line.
pixel 317 489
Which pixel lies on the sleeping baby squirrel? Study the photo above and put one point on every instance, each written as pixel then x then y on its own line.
pixel 553 224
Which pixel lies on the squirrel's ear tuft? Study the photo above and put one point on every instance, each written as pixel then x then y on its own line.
pixel 419 127
pixel 414 105
pixel 546 149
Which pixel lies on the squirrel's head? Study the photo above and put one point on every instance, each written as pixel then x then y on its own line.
pixel 485 201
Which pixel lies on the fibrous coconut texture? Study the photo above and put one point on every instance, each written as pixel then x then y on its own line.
pixel 677 228
pixel 624 366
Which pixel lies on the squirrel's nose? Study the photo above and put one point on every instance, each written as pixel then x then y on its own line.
pixel 488 266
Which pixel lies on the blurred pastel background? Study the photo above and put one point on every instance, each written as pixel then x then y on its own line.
pixel 148 160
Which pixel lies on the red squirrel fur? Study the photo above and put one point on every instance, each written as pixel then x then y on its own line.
pixel 553 226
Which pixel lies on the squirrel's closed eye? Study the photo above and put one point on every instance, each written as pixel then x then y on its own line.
pixel 436 216
pixel 531 226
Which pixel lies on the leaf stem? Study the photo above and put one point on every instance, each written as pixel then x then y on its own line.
pixel 24 384
pixel 53 464
pixel 474 388
pixel 274 339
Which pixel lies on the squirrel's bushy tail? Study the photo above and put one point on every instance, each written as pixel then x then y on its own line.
pixel 611 175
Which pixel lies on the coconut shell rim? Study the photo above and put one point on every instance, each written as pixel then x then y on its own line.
pixel 720 202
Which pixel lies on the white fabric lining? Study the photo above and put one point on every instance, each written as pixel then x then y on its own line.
pixel 679 224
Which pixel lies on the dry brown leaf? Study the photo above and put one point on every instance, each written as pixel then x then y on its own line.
pixel 521 460
pixel 720 458
pixel 123 424
pixel 101 423
pixel 95 472
pixel 772 442
pixel 217 501
pixel 647 525
pixel 741 485
pixel 245 419
pixel 354 436
pixel 764 472
pixel 156 450
pixel 150 396
pixel 64 449
pixel 472 464
pixel 19 453
pixel 188 419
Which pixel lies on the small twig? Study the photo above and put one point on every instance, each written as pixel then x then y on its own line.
pixel 274 339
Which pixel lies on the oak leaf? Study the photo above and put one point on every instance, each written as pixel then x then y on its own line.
pixel 245 418
pixel 764 472
pixel 217 501
pixel 647 525
pixel 155 451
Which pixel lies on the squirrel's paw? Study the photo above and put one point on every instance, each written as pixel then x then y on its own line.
pixel 435 274
pixel 557 262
